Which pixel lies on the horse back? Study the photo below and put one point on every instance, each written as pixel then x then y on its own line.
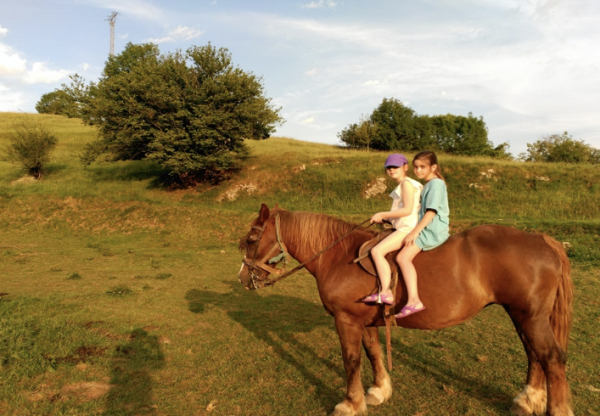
pixel 485 265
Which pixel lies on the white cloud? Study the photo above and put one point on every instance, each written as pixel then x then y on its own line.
pixel 308 120
pixel 311 72
pixel 319 4
pixel 39 74
pixel 179 33
pixel 11 100
pixel 10 61
pixel 3 31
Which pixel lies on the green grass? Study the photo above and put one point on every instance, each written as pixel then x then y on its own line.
pixel 157 313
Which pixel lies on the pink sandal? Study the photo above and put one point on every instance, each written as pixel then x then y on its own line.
pixel 374 298
pixel 407 311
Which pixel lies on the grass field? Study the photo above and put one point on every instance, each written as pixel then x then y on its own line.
pixel 120 297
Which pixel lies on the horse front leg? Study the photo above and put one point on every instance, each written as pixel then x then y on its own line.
pixel 381 391
pixel 350 335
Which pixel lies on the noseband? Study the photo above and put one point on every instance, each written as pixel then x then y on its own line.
pixel 253 265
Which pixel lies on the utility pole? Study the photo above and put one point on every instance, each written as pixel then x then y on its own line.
pixel 112 19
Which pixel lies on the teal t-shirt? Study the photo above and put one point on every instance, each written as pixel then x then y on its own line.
pixel 434 196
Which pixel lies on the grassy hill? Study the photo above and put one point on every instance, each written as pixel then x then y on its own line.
pixel 111 278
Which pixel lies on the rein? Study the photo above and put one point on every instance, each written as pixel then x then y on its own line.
pixel 283 255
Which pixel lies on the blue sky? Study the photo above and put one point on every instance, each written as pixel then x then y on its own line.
pixel 530 68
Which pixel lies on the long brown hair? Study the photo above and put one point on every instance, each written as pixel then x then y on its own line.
pixel 431 158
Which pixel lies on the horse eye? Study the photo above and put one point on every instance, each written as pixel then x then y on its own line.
pixel 252 238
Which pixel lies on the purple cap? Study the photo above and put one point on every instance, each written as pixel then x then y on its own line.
pixel 395 159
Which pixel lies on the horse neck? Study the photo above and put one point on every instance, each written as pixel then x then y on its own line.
pixel 306 234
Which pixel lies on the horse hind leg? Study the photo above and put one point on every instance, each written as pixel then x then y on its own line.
pixel 381 391
pixel 532 400
pixel 547 368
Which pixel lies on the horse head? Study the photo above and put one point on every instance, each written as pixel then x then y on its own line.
pixel 263 250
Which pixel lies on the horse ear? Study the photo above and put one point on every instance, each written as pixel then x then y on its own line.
pixel 264 213
pixel 276 206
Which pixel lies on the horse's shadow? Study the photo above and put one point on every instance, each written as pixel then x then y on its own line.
pixel 283 316
pixel 286 316
pixel 489 394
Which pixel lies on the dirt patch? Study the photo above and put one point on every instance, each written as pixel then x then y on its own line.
pixel 232 193
pixel 81 354
pixel 85 391
pixel 25 180
pixel 376 188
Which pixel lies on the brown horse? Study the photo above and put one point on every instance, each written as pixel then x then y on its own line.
pixel 528 274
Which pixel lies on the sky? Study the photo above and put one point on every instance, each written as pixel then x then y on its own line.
pixel 530 68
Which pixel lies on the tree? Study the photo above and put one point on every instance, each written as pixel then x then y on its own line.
pixel 561 148
pixel 69 101
pixel 399 127
pixel 30 145
pixel 54 102
pixel 357 136
pixel 190 112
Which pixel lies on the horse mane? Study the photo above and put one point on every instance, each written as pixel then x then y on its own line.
pixel 313 232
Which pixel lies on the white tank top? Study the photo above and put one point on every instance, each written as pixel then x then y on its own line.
pixel 408 223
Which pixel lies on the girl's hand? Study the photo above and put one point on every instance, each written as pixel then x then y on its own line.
pixel 377 218
pixel 411 237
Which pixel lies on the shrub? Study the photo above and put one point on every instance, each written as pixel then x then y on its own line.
pixel 30 146
pixel 190 112
pixel 561 148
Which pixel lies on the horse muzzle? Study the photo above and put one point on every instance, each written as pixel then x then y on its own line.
pixel 252 277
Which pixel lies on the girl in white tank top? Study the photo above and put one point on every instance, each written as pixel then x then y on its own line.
pixel 404 216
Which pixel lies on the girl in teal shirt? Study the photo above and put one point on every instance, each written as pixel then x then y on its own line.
pixel 432 229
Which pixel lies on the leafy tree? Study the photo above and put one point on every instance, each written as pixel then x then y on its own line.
pixel 358 136
pixel 461 135
pixel 399 127
pixel 561 148
pixel 54 102
pixel 190 112
pixel 30 145
pixel 70 100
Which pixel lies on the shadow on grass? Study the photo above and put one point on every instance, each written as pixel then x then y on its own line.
pixel 491 395
pixel 284 316
pixel 131 171
pixel 132 363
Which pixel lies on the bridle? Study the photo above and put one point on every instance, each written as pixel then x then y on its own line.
pixel 283 255
pixel 253 265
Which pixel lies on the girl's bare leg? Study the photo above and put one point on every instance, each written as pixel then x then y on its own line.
pixel 392 242
pixel 405 258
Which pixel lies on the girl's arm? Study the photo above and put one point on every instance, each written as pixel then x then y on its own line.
pixel 427 218
pixel 408 196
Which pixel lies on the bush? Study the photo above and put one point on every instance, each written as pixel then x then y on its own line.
pixel 561 148
pixel 394 126
pixel 30 146
pixel 190 112
pixel 69 101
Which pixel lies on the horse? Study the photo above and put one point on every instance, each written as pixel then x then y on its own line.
pixel 528 274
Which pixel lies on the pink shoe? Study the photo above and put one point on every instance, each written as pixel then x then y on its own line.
pixel 407 311
pixel 374 298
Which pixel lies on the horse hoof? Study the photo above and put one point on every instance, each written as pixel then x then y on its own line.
pixel 374 396
pixel 346 409
pixel 377 395
pixel 529 402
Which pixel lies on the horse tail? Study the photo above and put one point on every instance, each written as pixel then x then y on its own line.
pixel 561 318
